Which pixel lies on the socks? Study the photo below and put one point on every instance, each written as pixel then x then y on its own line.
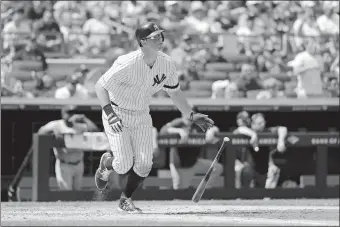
pixel 133 182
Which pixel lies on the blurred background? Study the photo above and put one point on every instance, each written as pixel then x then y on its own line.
pixel 254 39
pixel 224 50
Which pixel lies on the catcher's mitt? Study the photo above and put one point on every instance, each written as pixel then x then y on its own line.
pixel 201 120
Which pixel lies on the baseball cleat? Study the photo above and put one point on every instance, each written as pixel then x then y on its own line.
pixel 126 205
pixel 101 177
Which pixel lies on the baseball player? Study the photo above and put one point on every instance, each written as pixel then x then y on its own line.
pixel 69 165
pixel 124 93
pixel 258 165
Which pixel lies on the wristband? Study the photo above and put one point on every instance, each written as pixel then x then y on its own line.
pixel 108 110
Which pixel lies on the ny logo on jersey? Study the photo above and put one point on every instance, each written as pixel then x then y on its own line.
pixel 157 81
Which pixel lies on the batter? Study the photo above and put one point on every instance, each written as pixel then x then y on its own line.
pixel 124 93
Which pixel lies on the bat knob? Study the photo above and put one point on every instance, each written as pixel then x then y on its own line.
pixel 226 139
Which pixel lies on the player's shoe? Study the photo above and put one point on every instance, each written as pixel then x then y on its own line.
pixel 101 177
pixel 126 205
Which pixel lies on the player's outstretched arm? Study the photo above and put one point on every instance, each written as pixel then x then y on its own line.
pixel 181 103
pixel 201 120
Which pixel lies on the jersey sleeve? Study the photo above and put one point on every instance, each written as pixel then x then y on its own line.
pixel 172 83
pixel 115 74
pixel 50 127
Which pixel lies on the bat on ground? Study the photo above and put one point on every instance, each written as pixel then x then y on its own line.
pixel 204 182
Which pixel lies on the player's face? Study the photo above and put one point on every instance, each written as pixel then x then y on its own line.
pixel 154 42
pixel 258 124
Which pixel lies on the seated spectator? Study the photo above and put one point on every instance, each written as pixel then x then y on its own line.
pixel 48 32
pixel 326 61
pixel 76 8
pixel 248 79
pixel 224 19
pixel 185 162
pixel 332 86
pixel 31 53
pixel 335 67
pixel 98 31
pixel 74 39
pixel 225 89
pixel 45 86
pixel 217 54
pixel 197 21
pixel 260 64
pixel 9 84
pixel 26 65
pixel 16 31
pixel 247 35
pixel 307 69
pixel 73 89
pixel 305 26
pixel 181 54
pixel 37 9
pixel 273 89
pixel 328 22
pixel 174 15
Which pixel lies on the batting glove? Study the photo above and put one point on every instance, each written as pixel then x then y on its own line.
pixel 201 120
pixel 114 121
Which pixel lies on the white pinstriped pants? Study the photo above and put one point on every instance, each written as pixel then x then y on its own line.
pixel 133 146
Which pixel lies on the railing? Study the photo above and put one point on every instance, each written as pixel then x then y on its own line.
pixel 165 104
pixel 42 144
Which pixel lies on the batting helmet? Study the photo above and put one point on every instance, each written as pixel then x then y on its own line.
pixel 148 30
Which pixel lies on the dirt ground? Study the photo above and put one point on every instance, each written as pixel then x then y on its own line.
pixel 175 213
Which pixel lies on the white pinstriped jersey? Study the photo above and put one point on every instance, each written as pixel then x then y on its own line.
pixel 131 83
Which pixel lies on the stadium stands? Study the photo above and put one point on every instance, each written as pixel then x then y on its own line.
pixel 255 28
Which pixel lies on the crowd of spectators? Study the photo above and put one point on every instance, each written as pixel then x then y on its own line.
pixel 262 45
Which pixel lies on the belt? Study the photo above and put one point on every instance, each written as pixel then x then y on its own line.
pixel 70 163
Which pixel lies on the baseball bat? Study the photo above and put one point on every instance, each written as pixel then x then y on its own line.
pixel 204 182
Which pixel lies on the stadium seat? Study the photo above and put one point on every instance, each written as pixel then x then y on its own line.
pixel 27 65
pixel 220 66
pixel 65 67
pixel 238 58
pixel 253 93
pixel 283 77
pixel 29 85
pixel 234 75
pixel 213 75
pixel 197 94
pixel 201 85
pixel 55 55
pixel 21 75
